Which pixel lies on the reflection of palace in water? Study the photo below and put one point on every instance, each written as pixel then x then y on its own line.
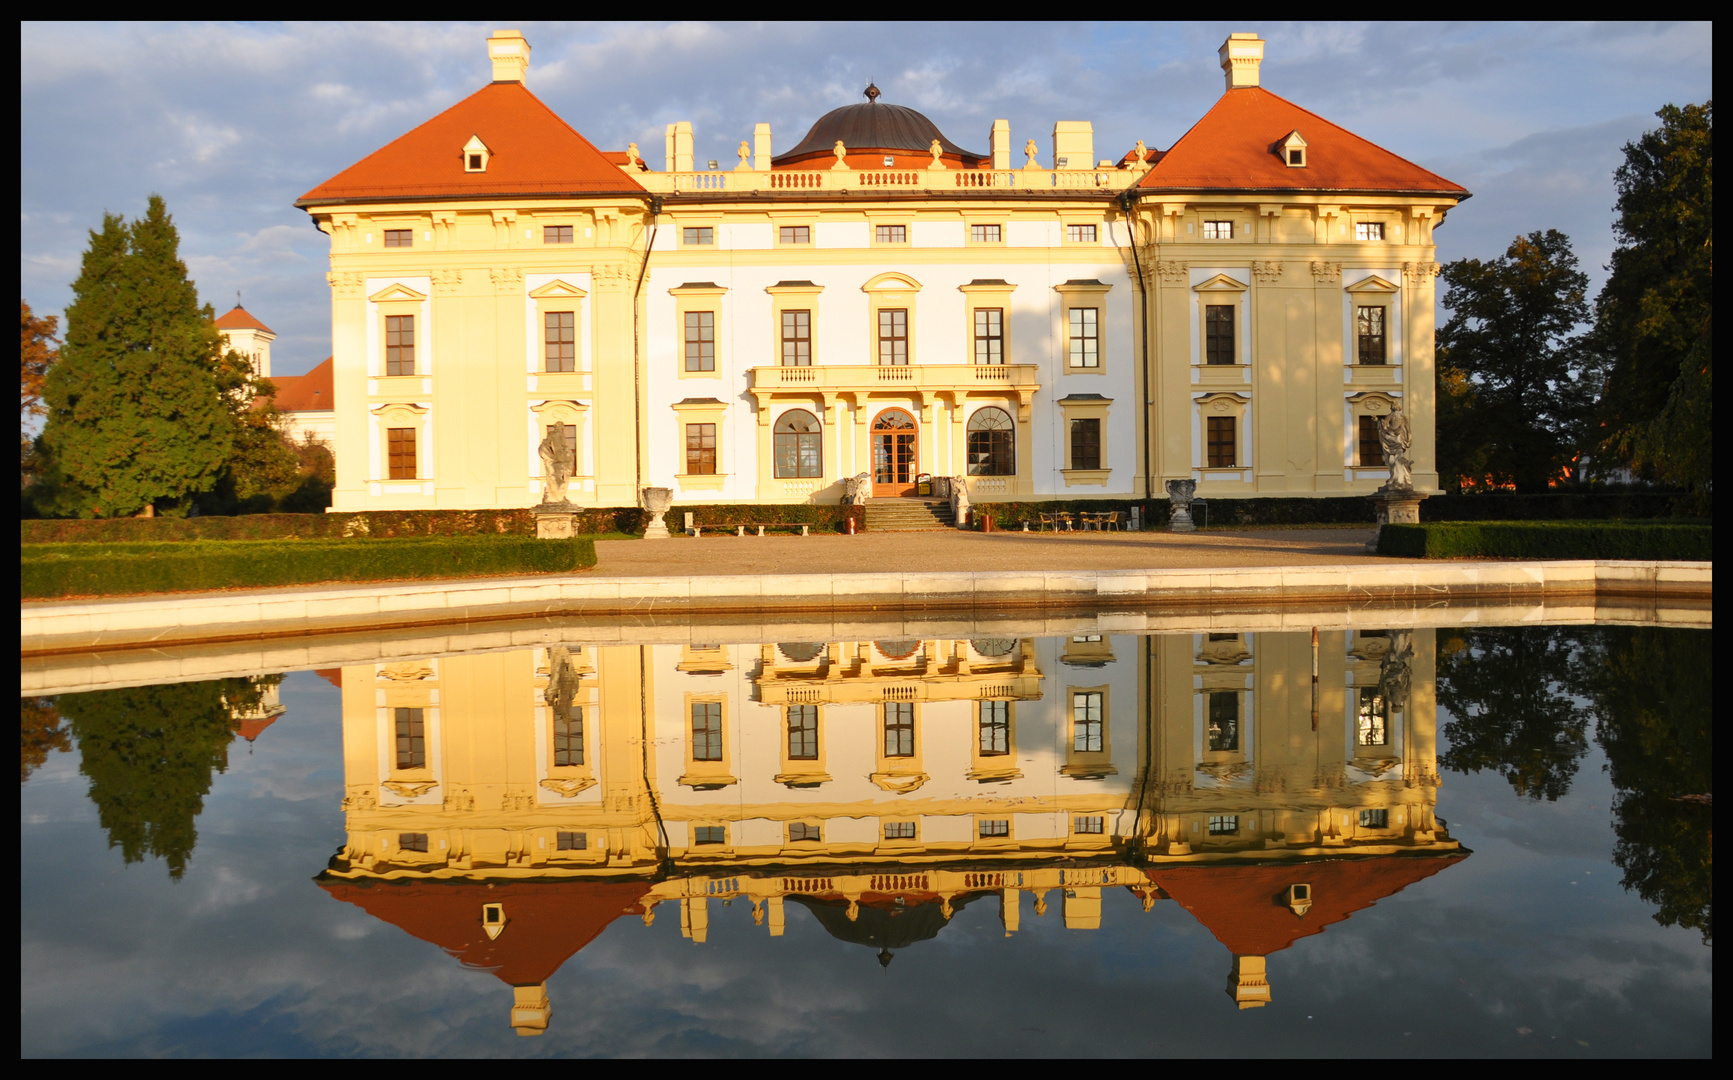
pixel 509 806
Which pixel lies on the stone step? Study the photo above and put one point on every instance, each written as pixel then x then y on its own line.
pixel 908 516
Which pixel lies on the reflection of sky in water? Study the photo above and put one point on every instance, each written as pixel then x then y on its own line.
pixel 1530 946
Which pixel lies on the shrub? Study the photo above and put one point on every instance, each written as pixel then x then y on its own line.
pixel 1548 540
pixel 115 569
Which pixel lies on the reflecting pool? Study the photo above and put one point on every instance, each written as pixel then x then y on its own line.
pixel 1415 841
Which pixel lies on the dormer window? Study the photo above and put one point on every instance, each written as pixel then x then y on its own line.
pixel 475 155
pixel 1293 150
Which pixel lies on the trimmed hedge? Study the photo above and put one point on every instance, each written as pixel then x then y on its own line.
pixel 1555 506
pixel 116 569
pixel 1548 540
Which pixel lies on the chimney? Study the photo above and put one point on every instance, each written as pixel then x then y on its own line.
pixel 1241 54
pixel 1074 141
pixel 677 140
pixel 999 144
pixel 510 54
pixel 761 148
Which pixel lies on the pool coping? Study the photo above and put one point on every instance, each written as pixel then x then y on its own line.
pixel 52 627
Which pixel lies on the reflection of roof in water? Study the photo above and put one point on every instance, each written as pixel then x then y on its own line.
pixel 884 924
pixel 546 921
pixel 1246 907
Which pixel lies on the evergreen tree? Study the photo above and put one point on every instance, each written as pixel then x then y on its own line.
pixel 1653 317
pixel 1513 337
pixel 135 415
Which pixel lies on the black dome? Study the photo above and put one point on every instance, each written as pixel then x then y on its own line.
pixel 883 927
pixel 871 126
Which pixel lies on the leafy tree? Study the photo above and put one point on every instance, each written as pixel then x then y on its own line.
pixel 262 468
pixel 1507 691
pixel 1513 337
pixel 1653 315
pixel 135 414
pixel 35 355
pixel 150 753
pixel 40 732
pixel 1652 696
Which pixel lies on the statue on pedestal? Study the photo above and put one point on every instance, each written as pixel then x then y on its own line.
pixel 1179 496
pixel 1395 437
pixel 959 499
pixel 857 489
pixel 557 463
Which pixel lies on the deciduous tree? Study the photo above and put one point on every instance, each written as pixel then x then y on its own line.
pixel 36 353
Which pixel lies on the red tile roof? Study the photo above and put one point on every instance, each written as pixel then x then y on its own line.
pixel 1233 148
pixel 531 152
pixel 306 393
pixel 239 318
pixel 1245 907
pixel 546 922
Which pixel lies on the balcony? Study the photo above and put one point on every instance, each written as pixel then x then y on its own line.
pixel 923 381
pixel 876 181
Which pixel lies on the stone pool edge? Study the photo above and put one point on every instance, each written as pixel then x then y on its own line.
pixel 132 622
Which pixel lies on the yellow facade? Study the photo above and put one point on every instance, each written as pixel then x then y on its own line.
pixel 895 773
pixel 1103 291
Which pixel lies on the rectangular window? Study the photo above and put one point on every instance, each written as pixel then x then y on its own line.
pixel 990 829
pixel 899 830
pixel 1092 825
pixel 1369 329
pixel 1080 234
pixel 1086 443
pixel 399 344
pixel 572 841
pixel 411 739
pixel 701 236
pixel 706 731
pixel 701 449
pixel 899 729
pixel 984 234
pixel 894 336
pixel 710 834
pixel 1085 337
pixel 1086 728
pixel 1224 824
pixel 700 341
pixel 794 234
pixel 800 830
pixel 995 728
pixel 560 340
pixel 1224 722
pixel 1374 819
pixel 400 446
pixel 1372 722
pixel 1218 334
pixel 412 841
pixel 1371 450
pixel 556 234
pixel 569 738
pixel 1221 442
pixel 990 335
pixel 803 732
pixel 891 234
pixel 1369 230
pixel 1218 230
pixel 399 237
pixel 797 339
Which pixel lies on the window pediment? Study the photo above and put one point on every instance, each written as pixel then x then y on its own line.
pixel 558 290
pixel 1373 285
pixel 698 288
pixel 892 282
pixel 1221 283
pixel 396 292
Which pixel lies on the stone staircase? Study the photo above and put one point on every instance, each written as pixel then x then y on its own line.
pixel 908 515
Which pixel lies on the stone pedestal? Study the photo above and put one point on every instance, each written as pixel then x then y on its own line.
pixel 1398 507
pixel 1179 496
pixel 657 500
pixel 554 522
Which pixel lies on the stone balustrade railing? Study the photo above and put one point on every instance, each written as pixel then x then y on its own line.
pixel 873 181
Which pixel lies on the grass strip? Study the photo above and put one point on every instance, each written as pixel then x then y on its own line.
pixel 1548 540
pixel 119 569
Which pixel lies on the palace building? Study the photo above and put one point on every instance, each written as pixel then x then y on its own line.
pixel 517 802
pixel 877 300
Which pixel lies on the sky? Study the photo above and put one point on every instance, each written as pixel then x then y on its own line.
pixel 230 123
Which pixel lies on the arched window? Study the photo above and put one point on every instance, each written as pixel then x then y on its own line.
pixel 799 446
pixel 801 651
pixel 992 446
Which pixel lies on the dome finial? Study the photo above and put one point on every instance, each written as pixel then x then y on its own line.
pixel 872 92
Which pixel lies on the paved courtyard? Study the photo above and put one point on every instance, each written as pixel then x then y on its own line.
pixel 950 550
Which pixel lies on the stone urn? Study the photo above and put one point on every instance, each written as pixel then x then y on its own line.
pixel 657 500
pixel 1179 496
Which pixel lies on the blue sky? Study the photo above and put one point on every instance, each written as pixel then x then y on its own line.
pixel 231 122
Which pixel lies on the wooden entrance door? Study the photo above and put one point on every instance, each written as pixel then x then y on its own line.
pixel 896 449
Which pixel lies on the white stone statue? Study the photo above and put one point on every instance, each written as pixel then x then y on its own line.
pixel 1395 437
pixel 959 499
pixel 857 489
pixel 557 462
pixel 1179 496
